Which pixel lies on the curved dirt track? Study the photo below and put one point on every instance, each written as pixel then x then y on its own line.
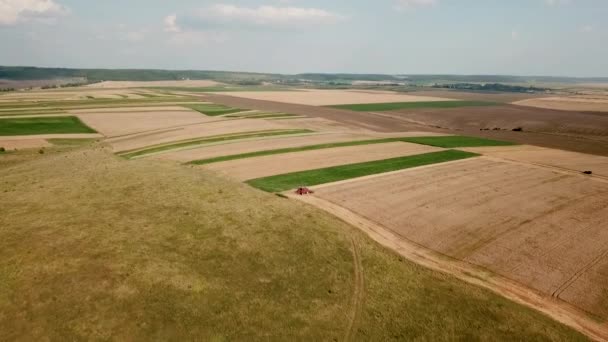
pixel 558 310
pixel 358 293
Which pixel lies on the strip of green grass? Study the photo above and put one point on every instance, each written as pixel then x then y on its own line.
pixel 212 109
pixel 456 141
pixel 210 140
pixel 288 181
pixel 378 107
pixel 261 115
pixel 95 103
pixel 46 125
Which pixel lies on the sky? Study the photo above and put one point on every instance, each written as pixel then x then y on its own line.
pixel 514 37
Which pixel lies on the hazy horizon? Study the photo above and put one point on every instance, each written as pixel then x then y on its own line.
pixel 561 38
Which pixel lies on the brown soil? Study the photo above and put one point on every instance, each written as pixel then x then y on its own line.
pixel 251 168
pixel 540 227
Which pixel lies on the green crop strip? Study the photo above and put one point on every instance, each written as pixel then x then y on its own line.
pixel 43 125
pixel 210 140
pixel 456 141
pixel 288 181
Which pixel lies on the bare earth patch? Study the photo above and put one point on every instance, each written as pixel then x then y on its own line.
pixel 12 144
pixel 251 168
pixel 332 97
pixel 541 227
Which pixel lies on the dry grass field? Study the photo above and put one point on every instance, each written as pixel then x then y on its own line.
pixel 142 84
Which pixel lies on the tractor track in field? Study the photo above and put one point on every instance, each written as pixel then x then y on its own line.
pixel 358 293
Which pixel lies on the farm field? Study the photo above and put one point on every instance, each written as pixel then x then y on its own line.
pixel 258 167
pixel 380 107
pixel 205 156
pixel 540 227
pixel 333 97
pixel 571 103
pixel 162 269
pixel 147 84
pixel 558 159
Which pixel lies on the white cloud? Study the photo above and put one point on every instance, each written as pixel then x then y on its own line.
pixel 409 4
pixel 556 2
pixel 171 23
pixel 13 12
pixel 224 14
pixel 514 34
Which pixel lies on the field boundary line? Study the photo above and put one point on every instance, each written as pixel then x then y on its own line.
pixel 557 309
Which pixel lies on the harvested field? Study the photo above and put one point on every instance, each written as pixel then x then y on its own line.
pixel 476 96
pixel 573 103
pixel 245 169
pixel 540 227
pixel 382 107
pixel 576 162
pixel 333 97
pixel 217 126
pixel 258 145
pixel 219 139
pixel 145 84
pixel 119 123
pixel 159 108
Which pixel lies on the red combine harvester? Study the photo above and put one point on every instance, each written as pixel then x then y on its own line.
pixel 304 191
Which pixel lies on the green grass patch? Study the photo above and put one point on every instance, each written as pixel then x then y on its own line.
pixel 211 109
pixel 456 141
pixel 379 107
pixel 46 125
pixel 288 181
pixel 210 140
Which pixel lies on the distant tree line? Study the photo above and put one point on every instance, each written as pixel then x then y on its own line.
pixel 498 87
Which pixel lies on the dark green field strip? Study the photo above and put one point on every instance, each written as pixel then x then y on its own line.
pixel 46 125
pixel 210 140
pixel 212 109
pixel 456 141
pixel 378 107
pixel 288 181
pixel 293 149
